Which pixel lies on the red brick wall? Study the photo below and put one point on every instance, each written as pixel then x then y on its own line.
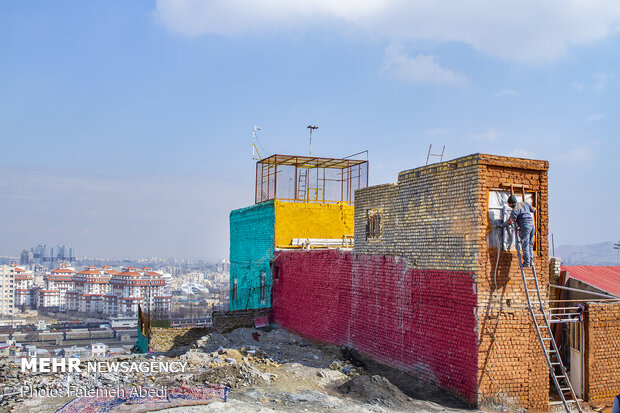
pixel 419 321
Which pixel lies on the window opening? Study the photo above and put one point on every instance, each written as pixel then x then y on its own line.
pixel 373 224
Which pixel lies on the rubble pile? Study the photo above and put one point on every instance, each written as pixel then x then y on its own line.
pixel 261 367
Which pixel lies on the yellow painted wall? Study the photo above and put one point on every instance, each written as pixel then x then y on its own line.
pixel 308 220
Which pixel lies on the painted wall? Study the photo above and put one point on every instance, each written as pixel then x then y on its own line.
pixel 436 217
pixel 419 321
pixel 251 249
pixel 256 230
pixel 312 220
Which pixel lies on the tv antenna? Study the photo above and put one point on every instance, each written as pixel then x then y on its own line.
pixel 439 155
pixel 311 127
pixel 255 153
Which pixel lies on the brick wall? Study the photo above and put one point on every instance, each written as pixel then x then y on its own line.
pixel 602 345
pixel 251 249
pixel 256 230
pixel 165 339
pixel 311 220
pixel 225 321
pixel 516 373
pixel 436 219
pixel 429 216
pixel 419 321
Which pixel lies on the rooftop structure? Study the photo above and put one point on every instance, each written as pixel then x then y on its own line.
pixel 309 179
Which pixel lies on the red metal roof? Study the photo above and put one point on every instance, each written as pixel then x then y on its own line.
pixel 607 278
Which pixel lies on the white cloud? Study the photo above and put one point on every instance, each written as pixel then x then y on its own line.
pixel 522 153
pixel 418 69
pixel 578 154
pixel 507 92
pixel 595 117
pixel 489 136
pixel 522 30
pixel 438 132
pixel 601 80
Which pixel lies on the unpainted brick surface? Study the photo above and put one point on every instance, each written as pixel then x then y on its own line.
pixel 164 339
pixel 517 370
pixel 429 216
pixel 225 321
pixel 602 337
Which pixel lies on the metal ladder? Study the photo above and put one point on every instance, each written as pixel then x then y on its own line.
pixel 302 184
pixel 542 321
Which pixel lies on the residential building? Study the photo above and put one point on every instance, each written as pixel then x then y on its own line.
pixel 24 292
pixel 7 287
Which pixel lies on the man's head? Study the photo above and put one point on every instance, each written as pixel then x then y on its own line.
pixel 512 201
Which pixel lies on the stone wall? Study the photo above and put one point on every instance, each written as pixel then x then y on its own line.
pixel 165 339
pixel 602 345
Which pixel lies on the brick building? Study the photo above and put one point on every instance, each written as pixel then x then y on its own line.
pixel 299 201
pixel 429 288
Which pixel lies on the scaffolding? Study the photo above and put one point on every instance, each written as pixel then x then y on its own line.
pixel 309 179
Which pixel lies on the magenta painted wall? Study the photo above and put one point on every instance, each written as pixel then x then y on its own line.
pixel 419 321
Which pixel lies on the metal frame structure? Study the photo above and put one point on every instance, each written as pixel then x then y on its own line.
pixel 309 179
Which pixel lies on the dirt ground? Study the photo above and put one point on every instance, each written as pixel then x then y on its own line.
pixel 272 370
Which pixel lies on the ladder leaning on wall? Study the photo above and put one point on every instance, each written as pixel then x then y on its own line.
pixel 542 321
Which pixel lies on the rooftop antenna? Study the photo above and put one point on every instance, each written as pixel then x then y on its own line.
pixel 440 155
pixel 311 127
pixel 255 153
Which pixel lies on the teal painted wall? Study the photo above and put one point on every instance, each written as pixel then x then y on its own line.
pixel 252 232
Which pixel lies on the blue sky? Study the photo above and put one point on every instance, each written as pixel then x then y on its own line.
pixel 125 127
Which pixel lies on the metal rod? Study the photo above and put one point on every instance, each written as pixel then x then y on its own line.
pixel 583 291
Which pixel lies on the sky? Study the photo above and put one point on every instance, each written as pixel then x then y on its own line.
pixel 126 127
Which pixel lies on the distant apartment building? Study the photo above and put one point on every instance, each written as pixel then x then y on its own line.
pixel 89 287
pixel 53 294
pixel 103 290
pixel 24 291
pixel 7 285
pixel 134 287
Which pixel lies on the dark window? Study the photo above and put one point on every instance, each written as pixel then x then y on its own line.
pixel 373 224
pixel 235 290
pixel 262 286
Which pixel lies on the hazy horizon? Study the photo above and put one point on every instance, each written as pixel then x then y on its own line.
pixel 126 128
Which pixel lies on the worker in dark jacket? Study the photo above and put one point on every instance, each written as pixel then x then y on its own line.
pixel 522 214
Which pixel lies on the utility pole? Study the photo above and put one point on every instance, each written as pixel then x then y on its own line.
pixel 617 247
pixel 311 127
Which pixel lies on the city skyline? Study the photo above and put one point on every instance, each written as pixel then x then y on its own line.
pixel 126 128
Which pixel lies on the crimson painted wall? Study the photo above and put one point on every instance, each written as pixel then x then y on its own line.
pixel 419 321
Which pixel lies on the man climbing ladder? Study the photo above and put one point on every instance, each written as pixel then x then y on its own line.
pixel 522 214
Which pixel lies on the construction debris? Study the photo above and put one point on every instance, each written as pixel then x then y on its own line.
pixel 268 367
